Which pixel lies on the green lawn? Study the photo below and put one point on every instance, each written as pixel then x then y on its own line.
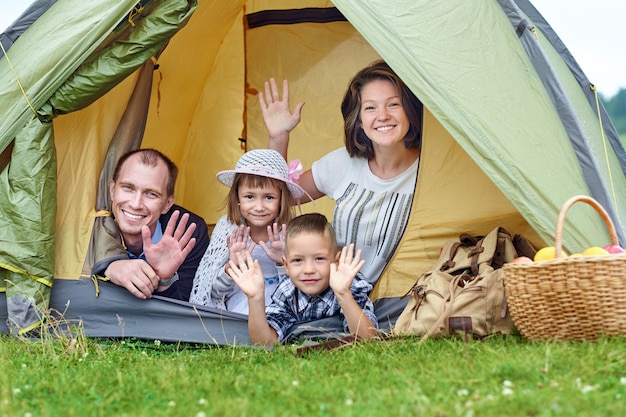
pixel 501 376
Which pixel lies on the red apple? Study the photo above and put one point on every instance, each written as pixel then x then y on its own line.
pixel 522 260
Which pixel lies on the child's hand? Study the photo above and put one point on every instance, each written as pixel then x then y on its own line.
pixel 276 248
pixel 342 273
pixel 276 112
pixel 248 275
pixel 238 242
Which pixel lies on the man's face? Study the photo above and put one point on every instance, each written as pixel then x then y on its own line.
pixel 138 198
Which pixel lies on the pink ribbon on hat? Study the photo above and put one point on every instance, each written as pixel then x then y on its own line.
pixel 295 170
pixel 293 173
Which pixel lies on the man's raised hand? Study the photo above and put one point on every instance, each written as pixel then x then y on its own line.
pixel 167 255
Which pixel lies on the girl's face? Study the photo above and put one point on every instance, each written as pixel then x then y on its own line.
pixel 259 205
pixel 383 118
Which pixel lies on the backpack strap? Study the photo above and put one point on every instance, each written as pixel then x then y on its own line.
pixel 469 240
pixel 473 255
pixel 446 312
pixel 450 262
pixel 465 241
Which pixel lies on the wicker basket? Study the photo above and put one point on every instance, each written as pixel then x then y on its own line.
pixel 575 298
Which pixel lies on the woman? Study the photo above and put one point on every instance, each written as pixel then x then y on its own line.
pixel 372 179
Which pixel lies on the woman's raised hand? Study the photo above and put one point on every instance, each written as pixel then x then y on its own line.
pixel 279 120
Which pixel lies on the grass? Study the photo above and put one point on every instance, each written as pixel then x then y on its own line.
pixel 396 377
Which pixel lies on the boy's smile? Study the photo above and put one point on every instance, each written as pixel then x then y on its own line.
pixel 307 261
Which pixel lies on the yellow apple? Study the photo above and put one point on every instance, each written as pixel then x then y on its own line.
pixel 594 251
pixel 547 253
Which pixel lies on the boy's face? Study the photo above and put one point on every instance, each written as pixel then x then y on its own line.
pixel 307 261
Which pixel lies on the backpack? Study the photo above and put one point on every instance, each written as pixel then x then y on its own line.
pixel 464 292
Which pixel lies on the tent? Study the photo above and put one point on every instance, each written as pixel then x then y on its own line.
pixel 512 129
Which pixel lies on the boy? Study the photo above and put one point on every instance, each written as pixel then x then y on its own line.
pixel 323 282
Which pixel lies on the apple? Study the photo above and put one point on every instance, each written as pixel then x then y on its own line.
pixel 614 249
pixel 547 253
pixel 522 260
pixel 595 250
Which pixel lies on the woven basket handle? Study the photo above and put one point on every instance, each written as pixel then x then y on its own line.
pixel 558 237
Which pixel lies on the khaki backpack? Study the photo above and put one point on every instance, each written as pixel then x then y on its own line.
pixel 464 292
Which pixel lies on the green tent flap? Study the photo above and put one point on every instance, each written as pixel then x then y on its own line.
pixel 59 83
pixel 59 42
pixel 504 118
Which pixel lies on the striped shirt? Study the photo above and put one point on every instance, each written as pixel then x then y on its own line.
pixel 370 212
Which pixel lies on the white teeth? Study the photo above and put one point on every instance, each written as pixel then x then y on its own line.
pixel 133 216
pixel 384 128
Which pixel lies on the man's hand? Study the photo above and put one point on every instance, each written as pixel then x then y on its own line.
pixel 135 275
pixel 342 273
pixel 166 256
pixel 279 120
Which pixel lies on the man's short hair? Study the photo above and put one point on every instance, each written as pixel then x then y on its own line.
pixel 151 157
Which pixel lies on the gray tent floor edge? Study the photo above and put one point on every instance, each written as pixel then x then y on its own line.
pixel 115 313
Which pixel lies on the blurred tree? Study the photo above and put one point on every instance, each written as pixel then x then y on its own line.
pixel 616 107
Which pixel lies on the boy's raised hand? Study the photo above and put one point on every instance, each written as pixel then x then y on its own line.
pixel 343 272
pixel 279 120
pixel 248 275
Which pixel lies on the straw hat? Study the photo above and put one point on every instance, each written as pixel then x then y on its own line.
pixel 265 163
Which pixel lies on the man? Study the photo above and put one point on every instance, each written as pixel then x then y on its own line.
pixel 163 253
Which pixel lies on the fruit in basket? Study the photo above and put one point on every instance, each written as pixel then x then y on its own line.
pixel 547 253
pixel 595 251
pixel 616 249
pixel 522 260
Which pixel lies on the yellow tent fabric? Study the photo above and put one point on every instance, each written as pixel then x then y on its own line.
pixel 205 99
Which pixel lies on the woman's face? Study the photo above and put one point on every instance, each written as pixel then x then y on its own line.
pixel 383 118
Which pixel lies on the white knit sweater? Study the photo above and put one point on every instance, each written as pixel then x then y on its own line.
pixel 213 287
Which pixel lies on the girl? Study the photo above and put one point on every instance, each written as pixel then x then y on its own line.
pixel 259 205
